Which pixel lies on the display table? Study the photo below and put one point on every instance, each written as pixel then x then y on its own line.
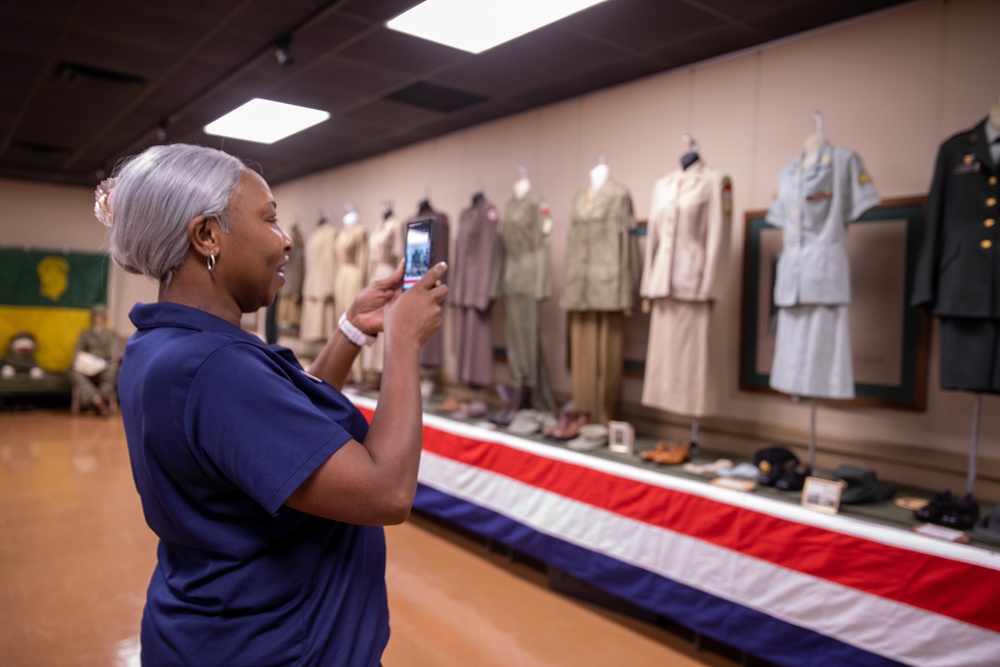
pixel 774 579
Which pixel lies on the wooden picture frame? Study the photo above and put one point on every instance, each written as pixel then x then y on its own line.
pixel 822 495
pixel 890 340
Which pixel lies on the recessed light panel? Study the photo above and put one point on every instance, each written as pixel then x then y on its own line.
pixel 265 121
pixel 478 25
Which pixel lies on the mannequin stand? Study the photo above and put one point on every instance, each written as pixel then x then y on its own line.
pixel 812 435
pixel 694 436
pixel 977 406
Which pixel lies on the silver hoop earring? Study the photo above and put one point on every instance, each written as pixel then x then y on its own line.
pixel 211 260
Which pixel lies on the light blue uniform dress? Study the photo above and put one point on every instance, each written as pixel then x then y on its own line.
pixel 812 289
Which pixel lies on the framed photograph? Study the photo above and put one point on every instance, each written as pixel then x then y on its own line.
pixel 822 495
pixel 621 437
pixel 889 339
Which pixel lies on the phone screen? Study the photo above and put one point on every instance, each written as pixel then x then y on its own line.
pixel 418 251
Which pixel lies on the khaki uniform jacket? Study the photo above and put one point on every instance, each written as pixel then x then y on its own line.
pixel 521 259
pixel 688 230
pixel 602 251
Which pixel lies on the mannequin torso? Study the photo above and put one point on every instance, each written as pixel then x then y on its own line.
pixel 599 176
pixel 810 151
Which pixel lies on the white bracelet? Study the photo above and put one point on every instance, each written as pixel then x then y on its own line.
pixel 354 334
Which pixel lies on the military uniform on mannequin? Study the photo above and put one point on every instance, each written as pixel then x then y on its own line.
pixel 471 300
pixel 819 193
pixel 290 298
pixel 521 275
pixel 350 252
pixel 600 285
pixel 432 354
pixel 686 242
pixel 318 320
pixel 957 275
pixel 384 253
pixel 958 279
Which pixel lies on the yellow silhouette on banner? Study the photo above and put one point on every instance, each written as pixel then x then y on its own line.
pixel 53 277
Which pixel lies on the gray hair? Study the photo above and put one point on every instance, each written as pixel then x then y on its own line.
pixel 156 194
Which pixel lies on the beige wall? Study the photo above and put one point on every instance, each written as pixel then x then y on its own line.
pixel 891 86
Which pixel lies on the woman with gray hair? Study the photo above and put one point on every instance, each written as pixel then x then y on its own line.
pixel 265 485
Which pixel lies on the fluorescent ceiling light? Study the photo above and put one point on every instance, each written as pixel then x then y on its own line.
pixel 477 25
pixel 265 121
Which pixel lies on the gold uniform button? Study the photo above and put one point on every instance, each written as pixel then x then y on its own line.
pixel 992 201
pixel 993 180
pixel 797 246
pixel 986 244
pixel 989 222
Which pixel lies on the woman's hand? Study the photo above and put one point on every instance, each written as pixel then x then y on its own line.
pixel 417 313
pixel 366 313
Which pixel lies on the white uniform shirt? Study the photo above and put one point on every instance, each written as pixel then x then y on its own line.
pixel 813 207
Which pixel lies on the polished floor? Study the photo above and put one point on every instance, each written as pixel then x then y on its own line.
pixel 75 557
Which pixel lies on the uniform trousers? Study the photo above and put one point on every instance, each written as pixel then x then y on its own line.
pixel 597 358
pixel 970 352
pixel 103 384
pixel 525 358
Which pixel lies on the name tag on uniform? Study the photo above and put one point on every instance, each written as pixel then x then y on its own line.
pixel 970 165
pixel 819 196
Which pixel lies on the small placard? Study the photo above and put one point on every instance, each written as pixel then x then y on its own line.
pixel 822 495
pixel 735 484
pixel 621 437
pixel 941 532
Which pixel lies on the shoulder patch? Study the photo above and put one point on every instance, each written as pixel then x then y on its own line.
pixel 864 178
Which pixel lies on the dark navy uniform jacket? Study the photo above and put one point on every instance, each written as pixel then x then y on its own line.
pixel 958 272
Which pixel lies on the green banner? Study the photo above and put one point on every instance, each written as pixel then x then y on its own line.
pixel 49 295
pixel 52 279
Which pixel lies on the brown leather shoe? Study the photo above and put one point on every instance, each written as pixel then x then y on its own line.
pixel 569 426
pixel 651 454
pixel 676 452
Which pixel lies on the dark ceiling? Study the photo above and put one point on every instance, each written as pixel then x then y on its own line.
pixel 85 82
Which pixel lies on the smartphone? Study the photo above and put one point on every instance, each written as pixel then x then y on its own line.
pixel 419 251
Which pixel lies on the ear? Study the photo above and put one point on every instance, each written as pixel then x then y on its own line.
pixel 204 233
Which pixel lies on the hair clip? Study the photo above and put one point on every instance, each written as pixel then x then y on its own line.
pixel 102 201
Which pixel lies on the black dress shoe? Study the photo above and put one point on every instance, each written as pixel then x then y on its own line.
pixel 932 511
pixel 962 514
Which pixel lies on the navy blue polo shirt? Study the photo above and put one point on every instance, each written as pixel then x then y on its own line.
pixel 221 429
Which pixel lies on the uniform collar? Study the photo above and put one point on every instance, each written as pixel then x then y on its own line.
pixel 166 314
pixel 823 160
pixel 980 138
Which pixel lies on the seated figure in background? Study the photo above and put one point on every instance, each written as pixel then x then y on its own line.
pixel 95 365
